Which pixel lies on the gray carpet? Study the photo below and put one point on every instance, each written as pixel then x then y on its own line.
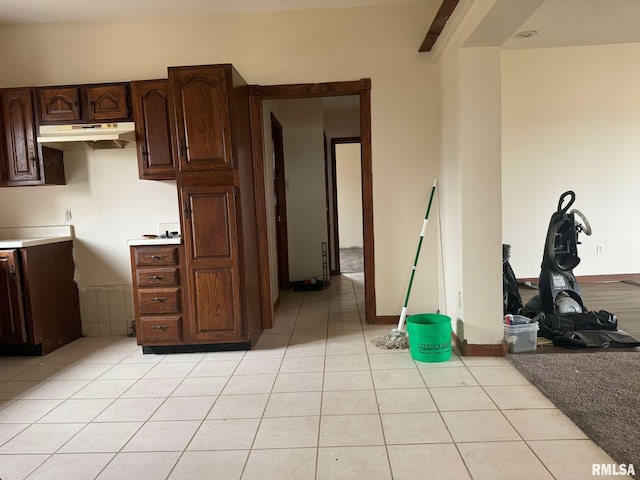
pixel 600 392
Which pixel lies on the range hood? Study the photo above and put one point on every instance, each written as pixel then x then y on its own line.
pixel 87 136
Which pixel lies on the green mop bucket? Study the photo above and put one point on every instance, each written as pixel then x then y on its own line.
pixel 429 337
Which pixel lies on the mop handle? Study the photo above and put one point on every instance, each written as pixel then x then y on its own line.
pixel 403 314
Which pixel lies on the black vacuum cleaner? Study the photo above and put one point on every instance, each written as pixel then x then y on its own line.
pixel 558 289
pixel 559 307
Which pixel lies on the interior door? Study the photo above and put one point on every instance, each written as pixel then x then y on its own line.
pixel 12 323
pixel 282 243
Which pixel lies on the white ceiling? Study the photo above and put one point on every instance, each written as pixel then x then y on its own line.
pixel 61 11
pixel 559 23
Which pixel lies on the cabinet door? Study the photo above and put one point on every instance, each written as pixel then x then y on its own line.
pixel 200 112
pixel 151 112
pixel 12 323
pixel 20 139
pixel 106 102
pixel 211 244
pixel 59 104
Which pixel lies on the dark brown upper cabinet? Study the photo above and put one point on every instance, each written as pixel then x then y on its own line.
pixel 25 161
pixel 150 99
pixel 59 104
pixel 201 107
pixel 84 103
pixel 108 102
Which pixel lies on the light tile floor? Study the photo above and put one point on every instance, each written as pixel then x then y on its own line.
pixel 313 400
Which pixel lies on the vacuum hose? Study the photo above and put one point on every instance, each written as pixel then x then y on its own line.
pixel 586 228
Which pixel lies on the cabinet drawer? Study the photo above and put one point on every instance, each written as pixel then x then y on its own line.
pixel 160 329
pixel 158 277
pixel 159 301
pixel 148 256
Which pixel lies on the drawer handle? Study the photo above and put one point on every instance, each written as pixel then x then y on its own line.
pixel 156 277
pixel 155 257
pixel 159 299
pixel 160 327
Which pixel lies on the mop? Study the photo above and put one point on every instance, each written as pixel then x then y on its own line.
pixel 397 338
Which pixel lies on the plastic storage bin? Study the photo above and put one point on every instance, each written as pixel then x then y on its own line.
pixel 521 338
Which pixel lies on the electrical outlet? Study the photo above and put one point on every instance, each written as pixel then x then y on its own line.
pixel 599 249
pixel 67 216
pixel 460 300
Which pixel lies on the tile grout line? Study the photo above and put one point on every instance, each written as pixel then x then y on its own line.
pixel 510 424
pixel 204 418
pixel 255 436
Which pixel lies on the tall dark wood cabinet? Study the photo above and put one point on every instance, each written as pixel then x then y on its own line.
pixel 25 161
pixel 212 146
pixel 150 100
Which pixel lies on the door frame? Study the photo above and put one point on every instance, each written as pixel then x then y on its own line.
pixel 362 88
pixel 335 241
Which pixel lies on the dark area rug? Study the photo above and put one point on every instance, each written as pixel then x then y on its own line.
pixel 600 392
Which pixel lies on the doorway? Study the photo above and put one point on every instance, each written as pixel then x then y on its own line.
pixel 347 242
pixel 360 88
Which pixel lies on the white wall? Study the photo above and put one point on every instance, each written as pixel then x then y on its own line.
pixel 267 48
pixel 109 205
pixel 338 124
pixel 571 122
pixel 349 190
pixel 470 179
pixel 302 127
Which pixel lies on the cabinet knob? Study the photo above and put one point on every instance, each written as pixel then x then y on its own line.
pixel 12 271
pixel 156 277
pixel 160 327
pixel 32 157
pixel 155 257
pixel 159 299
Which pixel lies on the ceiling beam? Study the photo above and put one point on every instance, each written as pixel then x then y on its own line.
pixel 440 20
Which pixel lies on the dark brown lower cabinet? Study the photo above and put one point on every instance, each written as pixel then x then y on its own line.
pixel 39 307
pixel 13 329
pixel 211 247
pixel 192 297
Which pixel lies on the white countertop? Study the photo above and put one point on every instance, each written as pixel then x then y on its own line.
pixel 137 242
pixel 20 237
